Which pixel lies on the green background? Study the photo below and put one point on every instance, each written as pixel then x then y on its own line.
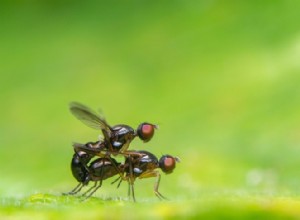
pixel 220 78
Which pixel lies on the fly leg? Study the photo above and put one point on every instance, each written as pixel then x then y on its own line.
pixel 120 179
pixel 156 174
pixel 156 185
pixel 131 180
pixel 75 190
pixel 90 189
pixel 95 188
pixel 120 172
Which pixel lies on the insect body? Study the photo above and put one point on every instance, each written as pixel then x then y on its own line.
pixel 137 164
pixel 97 171
pixel 116 141
pixel 143 164
pixel 116 138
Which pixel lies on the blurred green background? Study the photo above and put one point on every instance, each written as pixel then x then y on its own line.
pixel 221 78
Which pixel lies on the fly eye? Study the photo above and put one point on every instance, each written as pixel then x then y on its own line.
pixel 145 131
pixel 167 163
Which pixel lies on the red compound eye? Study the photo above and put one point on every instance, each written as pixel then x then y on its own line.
pixel 167 163
pixel 146 131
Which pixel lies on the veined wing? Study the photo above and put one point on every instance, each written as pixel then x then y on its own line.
pixel 89 117
pixel 85 148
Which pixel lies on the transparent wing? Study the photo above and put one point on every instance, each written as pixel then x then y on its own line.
pixel 89 117
pixel 83 147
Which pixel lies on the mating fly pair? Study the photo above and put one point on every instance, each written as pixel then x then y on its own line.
pixel 137 164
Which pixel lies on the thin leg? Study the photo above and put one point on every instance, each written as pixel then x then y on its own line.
pixel 94 186
pixel 128 194
pixel 156 185
pixel 131 180
pixel 75 190
pixel 132 190
pixel 119 183
pixel 93 191
pixel 115 180
pixel 153 173
pixel 117 169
